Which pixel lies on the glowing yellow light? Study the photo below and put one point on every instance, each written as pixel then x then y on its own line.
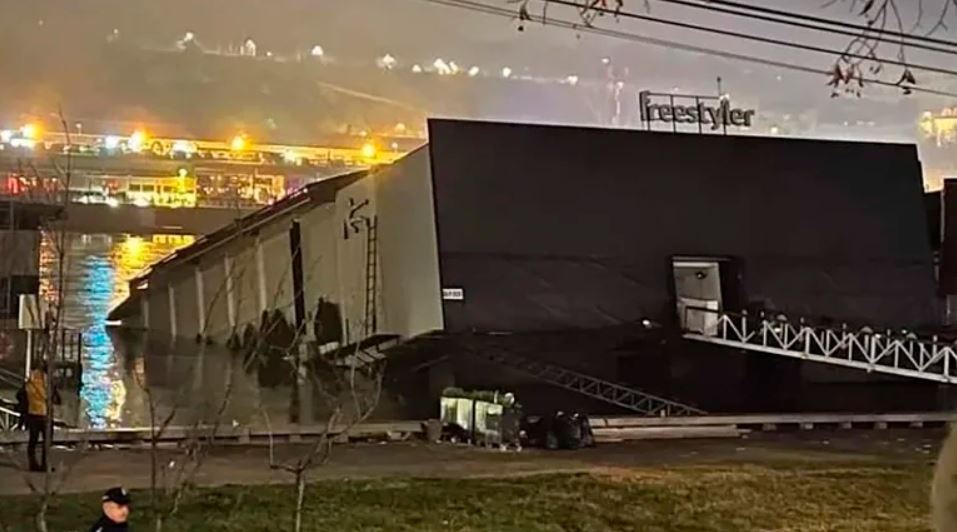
pixel 238 143
pixel 30 131
pixel 368 150
pixel 137 141
pixel 133 249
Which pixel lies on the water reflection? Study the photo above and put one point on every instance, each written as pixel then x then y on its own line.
pixel 188 380
pixel 97 270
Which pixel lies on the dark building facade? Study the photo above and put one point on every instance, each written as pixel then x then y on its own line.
pixel 551 228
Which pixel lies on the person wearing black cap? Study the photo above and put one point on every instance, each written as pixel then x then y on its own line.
pixel 116 510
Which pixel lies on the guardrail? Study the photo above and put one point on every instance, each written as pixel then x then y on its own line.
pixel 902 354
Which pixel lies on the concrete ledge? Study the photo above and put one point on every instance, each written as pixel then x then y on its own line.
pixel 228 434
pixel 666 433
pixel 609 428
pixel 913 419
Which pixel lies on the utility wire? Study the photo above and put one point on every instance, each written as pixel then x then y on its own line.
pixel 797 23
pixel 822 20
pixel 760 39
pixel 479 7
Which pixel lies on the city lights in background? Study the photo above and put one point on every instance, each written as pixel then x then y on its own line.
pixel 386 62
pixel 506 72
pixel 369 150
pixel 137 141
pixel 112 142
pixel 30 131
pixel 239 143
pixel 184 147
pixel 317 51
pixel 441 67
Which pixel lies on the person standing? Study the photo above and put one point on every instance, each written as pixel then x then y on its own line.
pixel 37 417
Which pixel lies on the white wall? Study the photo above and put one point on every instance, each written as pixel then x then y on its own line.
pixel 408 250
pixel 187 317
pixel 245 283
pixel 278 267
pixel 215 297
pixel 319 263
pixel 158 301
pixel 351 254
pixel 408 294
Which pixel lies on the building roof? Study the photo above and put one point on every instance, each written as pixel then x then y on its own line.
pixel 319 192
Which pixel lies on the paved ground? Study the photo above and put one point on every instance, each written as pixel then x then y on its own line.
pixel 97 470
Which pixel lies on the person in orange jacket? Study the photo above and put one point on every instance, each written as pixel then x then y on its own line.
pixel 37 416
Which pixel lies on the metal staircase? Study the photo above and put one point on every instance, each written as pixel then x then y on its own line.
pixel 894 353
pixel 367 352
pixel 600 389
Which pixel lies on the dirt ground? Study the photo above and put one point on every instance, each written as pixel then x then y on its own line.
pixel 96 470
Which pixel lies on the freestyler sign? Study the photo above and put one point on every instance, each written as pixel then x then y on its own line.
pixel 717 116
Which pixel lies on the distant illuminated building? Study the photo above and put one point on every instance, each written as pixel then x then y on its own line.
pixel 937 140
pixel 386 62
pixel 249 48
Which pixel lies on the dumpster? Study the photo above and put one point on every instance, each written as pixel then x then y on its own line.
pixel 488 418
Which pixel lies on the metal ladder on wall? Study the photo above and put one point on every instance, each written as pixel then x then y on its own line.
pixel 372 268
pixel 899 353
pixel 600 389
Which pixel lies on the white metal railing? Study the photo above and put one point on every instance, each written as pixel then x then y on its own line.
pixel 895 353
pixel 8 419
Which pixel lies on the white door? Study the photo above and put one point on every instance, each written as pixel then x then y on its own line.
pixel 698 294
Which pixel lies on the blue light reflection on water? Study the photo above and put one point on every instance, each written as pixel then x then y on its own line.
pixel 98 269
pixel 100 373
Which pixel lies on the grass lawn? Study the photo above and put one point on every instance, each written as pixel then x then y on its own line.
pixel 700 498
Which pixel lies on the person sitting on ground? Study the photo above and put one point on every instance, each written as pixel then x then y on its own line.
pixel 116 511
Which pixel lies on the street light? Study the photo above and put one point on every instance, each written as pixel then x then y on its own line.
pixel 30 131
pixel 137 141
pixel 238 143
pixel 368 150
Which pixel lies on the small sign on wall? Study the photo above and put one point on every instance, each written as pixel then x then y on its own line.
pixel 453 294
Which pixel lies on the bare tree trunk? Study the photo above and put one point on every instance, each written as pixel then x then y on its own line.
pixel 41 523
pixel 154 466
pixel 300 497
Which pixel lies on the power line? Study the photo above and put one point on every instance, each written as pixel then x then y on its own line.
pixel 479 7
pixel 822 20
pixel 760 39
pixel 797 23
